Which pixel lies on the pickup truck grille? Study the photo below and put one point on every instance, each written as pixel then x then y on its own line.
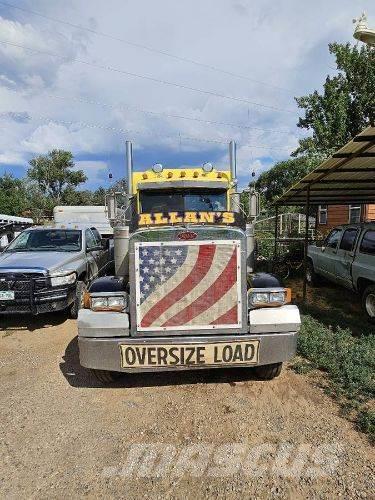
pixel 188 285
pixel 23 282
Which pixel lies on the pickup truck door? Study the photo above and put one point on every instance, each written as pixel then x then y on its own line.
pixel 92 255
pixel 103 254
pixel 345 256
pixel 326 261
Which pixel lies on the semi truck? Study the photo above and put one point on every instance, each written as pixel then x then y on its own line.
pixel 185 294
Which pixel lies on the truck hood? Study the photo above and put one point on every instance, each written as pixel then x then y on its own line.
pixel 43 261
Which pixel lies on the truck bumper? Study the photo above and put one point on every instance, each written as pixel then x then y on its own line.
pixel 104 353
pixel 38 303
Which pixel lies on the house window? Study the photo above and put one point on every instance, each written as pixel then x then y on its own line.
pixel 354 214
pixel 322 214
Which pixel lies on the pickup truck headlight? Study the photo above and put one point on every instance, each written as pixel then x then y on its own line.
pixel 107 302
pixel 67 279
pixel 261 297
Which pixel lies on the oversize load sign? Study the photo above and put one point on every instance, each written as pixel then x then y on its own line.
pixel 221 353
pixel 159 218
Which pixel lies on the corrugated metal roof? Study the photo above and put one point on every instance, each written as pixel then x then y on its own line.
pixel 347 177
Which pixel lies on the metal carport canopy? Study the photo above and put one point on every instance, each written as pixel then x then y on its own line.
pixel 347 177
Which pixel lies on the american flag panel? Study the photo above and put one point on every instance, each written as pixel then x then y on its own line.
pixel 188 285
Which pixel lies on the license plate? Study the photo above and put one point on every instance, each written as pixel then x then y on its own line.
pixel 210 354
pixel 8 295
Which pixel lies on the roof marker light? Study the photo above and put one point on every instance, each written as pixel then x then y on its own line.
pixel 195 175
pixel 144 176
pixel 169 175
pixel 207 167
pixel 183 174
pixel 157 168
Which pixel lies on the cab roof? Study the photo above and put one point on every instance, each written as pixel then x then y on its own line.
pixel 179 178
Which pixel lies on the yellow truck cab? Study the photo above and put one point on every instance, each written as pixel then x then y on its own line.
pixel 185 294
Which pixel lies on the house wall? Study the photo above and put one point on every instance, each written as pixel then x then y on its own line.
pixel 369 213
pixel 339 214
pixel 336 215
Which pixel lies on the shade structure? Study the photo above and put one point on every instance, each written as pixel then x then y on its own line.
pixel 347 177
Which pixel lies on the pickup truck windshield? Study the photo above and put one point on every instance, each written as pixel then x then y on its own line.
pixel 47 240
pixel 174 200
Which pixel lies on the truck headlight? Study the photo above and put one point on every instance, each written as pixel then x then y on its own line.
pixel 261 297
pixel 67 279
pixel 107 302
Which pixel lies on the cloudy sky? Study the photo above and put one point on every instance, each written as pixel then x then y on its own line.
pixel 73 77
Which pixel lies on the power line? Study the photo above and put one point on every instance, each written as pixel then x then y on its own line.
pixel 124 131
pixel 145 47
pixel 150 78
pixel 157 113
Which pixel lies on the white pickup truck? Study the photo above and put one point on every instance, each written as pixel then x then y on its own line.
pixel 347 257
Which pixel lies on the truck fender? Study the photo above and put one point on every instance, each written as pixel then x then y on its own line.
pixel 263 280
pixel 108 284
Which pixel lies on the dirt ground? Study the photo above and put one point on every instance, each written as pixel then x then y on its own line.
pixel 213 434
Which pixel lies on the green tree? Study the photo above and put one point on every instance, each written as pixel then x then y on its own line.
pixel 274 182
pixel 346 106
pixel 54 174
pixel 13 199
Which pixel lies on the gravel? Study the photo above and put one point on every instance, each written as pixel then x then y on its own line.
pixel 215 434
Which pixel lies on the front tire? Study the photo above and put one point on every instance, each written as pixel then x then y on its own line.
pixel 106 376
pixel 78 300
pixel 368 303
pixel 268 372
pixel 311 276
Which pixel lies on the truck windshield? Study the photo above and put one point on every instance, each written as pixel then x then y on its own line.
pixel 47 240
pixel 174 200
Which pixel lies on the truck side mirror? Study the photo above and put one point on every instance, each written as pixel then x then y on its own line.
pixel 254 203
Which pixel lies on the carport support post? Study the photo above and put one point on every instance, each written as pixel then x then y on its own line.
pixel 276 232
pixel 306 243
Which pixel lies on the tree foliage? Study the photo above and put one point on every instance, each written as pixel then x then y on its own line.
pixel 50 181
pixel 13 199
pixel 346 106
pixel 54 173
pixel 272 183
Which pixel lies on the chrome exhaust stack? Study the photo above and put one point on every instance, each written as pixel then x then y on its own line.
pixel 235 198
pixel 121 229
pixel 129 166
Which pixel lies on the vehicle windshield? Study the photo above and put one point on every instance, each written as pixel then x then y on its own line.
pixel 174 200
pixel 47 240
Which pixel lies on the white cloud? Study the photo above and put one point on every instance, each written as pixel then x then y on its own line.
pixel 95 170
pixel 33 70
pixel 284 47
pixel 11 158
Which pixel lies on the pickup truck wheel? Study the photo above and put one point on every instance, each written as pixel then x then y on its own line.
pixel 368 302
pixel 311 276
pixel 106 376
pixel 268 372
pixel 78 301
